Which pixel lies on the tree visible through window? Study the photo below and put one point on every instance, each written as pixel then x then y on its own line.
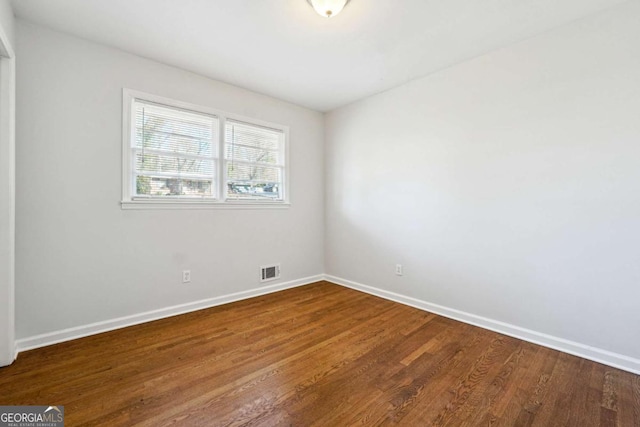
pixel 174 152
pixel 177 152
pixel 255 161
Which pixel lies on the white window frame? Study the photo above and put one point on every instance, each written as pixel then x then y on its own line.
pixel 131 201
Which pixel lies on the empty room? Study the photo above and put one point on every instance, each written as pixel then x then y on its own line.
pixel 320 213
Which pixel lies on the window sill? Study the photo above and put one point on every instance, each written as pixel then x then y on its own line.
pixel 200 204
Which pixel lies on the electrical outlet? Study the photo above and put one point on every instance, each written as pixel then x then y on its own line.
pixel 398 269
pixel 186 276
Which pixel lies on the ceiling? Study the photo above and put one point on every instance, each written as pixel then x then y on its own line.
pixel 282 48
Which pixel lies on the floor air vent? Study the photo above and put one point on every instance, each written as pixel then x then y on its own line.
pixel 271 272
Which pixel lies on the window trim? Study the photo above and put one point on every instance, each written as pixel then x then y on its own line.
pixel 220 200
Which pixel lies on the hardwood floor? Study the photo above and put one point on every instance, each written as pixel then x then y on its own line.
pixel 318 355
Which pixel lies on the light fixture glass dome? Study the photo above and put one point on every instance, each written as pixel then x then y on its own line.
pixel 328 8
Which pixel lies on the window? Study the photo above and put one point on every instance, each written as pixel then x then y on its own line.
pixel 174 152
pixel 181 155
pixel 254 161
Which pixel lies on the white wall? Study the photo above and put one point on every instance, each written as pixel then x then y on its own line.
pixel 7 184
pixel 508 186
pixel 80 257
pixel 7 21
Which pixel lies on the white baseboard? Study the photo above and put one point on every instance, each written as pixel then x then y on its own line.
pixel 56 337
pixel 8 358
pixel 595 354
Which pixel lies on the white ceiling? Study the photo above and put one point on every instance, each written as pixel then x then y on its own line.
pixel 284 49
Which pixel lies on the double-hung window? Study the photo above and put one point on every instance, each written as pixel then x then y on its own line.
pixel 174 152
pixel 182 155
pixel 254 157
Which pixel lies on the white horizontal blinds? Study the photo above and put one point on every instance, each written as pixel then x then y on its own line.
pixel 174 152
pixel 255 161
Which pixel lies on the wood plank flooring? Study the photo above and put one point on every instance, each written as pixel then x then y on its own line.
pixel 318 355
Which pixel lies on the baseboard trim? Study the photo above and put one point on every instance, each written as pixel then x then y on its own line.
pixel 595 354
pixel 56 337
pixel 8 358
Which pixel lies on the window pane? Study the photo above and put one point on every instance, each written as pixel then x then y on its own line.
pixel 175 151
pixel 176 131
pixel 246 172
pixel 252 136
pixel 255 161
pixel 246 190
pixel 252 154
pixel 160 186
pixel 151 162
pixel 173 143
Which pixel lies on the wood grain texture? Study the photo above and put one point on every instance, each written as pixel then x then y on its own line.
pixel 317 355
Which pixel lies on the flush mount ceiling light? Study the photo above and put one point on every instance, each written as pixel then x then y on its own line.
pixel 328 8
